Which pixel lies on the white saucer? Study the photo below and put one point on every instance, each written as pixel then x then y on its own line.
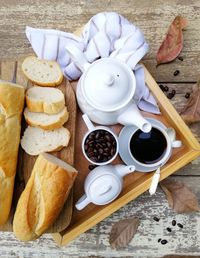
pixel 123 146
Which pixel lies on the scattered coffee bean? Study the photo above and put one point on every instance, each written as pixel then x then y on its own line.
pixel 166 88
pixel 179 225
pixel 187 95
pixel 169 229
pixel 173 222
pixel 164 242
pixel 91 167
pixel 173 92
pixel 162 87
pixel 100 146
pixel 170 95
pixel 156 219
pixel 159 240
pixel 176 72
pixel 180 58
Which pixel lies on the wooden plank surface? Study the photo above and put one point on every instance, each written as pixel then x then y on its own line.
pixel 153 17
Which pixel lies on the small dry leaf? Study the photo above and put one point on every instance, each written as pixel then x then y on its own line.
pixel 179 196
pixel 173 42
pixel 191 112
pixel 123 231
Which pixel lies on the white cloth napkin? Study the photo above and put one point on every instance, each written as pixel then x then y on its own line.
pixel 106 34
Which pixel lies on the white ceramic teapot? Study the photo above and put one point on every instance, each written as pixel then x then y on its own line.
pixel 105 91
pixel 103 185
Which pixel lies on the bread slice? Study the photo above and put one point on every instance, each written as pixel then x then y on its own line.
pixel 46 121
pixel 42 72
pixel 36 140
pixel 45 99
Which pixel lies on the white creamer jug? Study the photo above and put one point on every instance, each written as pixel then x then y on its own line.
pixel 103 185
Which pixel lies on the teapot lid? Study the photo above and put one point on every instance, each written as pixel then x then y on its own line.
pixel 104 189
pixel 108 84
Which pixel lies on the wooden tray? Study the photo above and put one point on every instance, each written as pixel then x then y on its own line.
pixel 134 184
pixel 11 71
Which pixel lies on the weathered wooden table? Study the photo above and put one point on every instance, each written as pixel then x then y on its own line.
pixel 153 17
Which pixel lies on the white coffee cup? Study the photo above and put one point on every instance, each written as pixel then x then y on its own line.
pixel 169 135
pixel 126 154
pixel 92 128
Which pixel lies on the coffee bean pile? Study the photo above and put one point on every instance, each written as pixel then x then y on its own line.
pixel 100 146
pixel 169 230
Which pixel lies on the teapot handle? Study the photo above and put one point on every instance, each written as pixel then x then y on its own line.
pixel 77 57
pixel 82 202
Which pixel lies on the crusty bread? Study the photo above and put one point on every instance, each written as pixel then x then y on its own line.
pixel 43 197
pixel 46 121
pixel 11 107
pixel 36 140
pixel 45 99
pixel 42 72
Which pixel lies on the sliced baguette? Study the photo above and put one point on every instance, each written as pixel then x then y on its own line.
pixel 36 140
pixel 46 121
pixel 45 99
pixel 42 72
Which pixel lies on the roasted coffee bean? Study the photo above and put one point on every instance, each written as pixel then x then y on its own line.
pixel 91 167
pixel 170 95
pixel 180 58
pixel 179 225
pixel 166 88
pixel 169 229
pixel 162 87
pixel 156 219
pixel 108 144
pixel 112 151
pixel 173 222
pixel 107 137
pixel 176 72
pixel 173 92
pixel 97 135
pixel 164 242
pixel 100 150
pixel 159 240
pixel 187 95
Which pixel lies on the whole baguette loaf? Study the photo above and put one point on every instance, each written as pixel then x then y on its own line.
pixel 11 107
pixel 43 197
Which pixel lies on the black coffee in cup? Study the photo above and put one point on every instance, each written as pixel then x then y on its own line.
pixel 148 148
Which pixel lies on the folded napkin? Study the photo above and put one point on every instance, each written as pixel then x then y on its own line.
pixel 106 34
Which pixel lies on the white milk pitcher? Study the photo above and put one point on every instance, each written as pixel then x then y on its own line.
pixel 103 185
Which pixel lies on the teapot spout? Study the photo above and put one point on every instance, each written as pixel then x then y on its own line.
pixel 132 116
pixel 123 170
pixel 78 57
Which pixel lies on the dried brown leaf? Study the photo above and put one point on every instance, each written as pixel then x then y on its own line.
pixel 179 196
pixel 191 112
pixel 173 42
pixel 123 231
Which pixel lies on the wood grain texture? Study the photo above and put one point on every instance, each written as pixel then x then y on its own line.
pixel 153 17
